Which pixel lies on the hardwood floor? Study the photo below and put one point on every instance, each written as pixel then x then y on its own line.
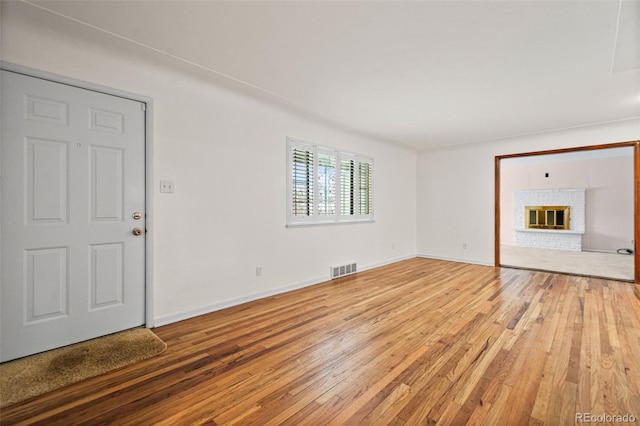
pixel 416 342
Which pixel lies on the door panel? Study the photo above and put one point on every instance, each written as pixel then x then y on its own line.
pixel 46 284
pixel 107 190
pixel 72 164
pixel 106 275
pixel 47 177
pixel 46 110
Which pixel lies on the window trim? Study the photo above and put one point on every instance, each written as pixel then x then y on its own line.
pixel 338 217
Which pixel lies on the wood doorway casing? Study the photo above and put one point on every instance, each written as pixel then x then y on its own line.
pixel 636 192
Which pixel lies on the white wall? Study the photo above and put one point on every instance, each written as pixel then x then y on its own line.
pixel 224 146
pixel 456 188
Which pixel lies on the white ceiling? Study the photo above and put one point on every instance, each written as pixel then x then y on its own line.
pixel 421 74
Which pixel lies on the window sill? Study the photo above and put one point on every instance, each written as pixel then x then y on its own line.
pixel 328 223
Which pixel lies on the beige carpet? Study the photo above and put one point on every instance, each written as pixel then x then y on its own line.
pixel 34 375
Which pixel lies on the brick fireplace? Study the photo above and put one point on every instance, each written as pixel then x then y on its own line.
pixel 542 220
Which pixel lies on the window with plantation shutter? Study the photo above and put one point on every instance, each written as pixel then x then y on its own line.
pixel 327 186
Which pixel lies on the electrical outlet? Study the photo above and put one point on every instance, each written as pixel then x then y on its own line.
pixel 166 186
pixel 464 246
pixel 258 271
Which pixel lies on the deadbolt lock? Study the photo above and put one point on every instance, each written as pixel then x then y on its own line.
pixel 137 215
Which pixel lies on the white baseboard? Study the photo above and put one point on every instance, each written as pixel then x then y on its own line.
pixel 388 262
pixel 206 309
pixel 453 259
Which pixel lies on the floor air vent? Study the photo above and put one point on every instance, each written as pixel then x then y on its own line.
pixel 341 271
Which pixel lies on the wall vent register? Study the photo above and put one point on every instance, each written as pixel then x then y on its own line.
pixel 547 217
pixel 342 270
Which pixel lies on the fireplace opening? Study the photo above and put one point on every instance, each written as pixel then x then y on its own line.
pixel 546 217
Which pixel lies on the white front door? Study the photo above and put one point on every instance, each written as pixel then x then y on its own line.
pixel 73 190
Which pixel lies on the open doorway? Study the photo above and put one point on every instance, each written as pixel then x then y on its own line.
pixel 572 211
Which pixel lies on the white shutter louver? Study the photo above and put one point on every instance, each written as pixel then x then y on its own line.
pixel 302 182
pixel 366 203
pixel 347 187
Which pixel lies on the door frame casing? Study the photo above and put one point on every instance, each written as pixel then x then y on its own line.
pixel 636 192
pixel 148 147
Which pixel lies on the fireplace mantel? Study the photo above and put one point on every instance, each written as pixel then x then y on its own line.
pixel 550 231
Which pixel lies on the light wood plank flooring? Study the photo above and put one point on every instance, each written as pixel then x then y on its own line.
pixel 416 342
